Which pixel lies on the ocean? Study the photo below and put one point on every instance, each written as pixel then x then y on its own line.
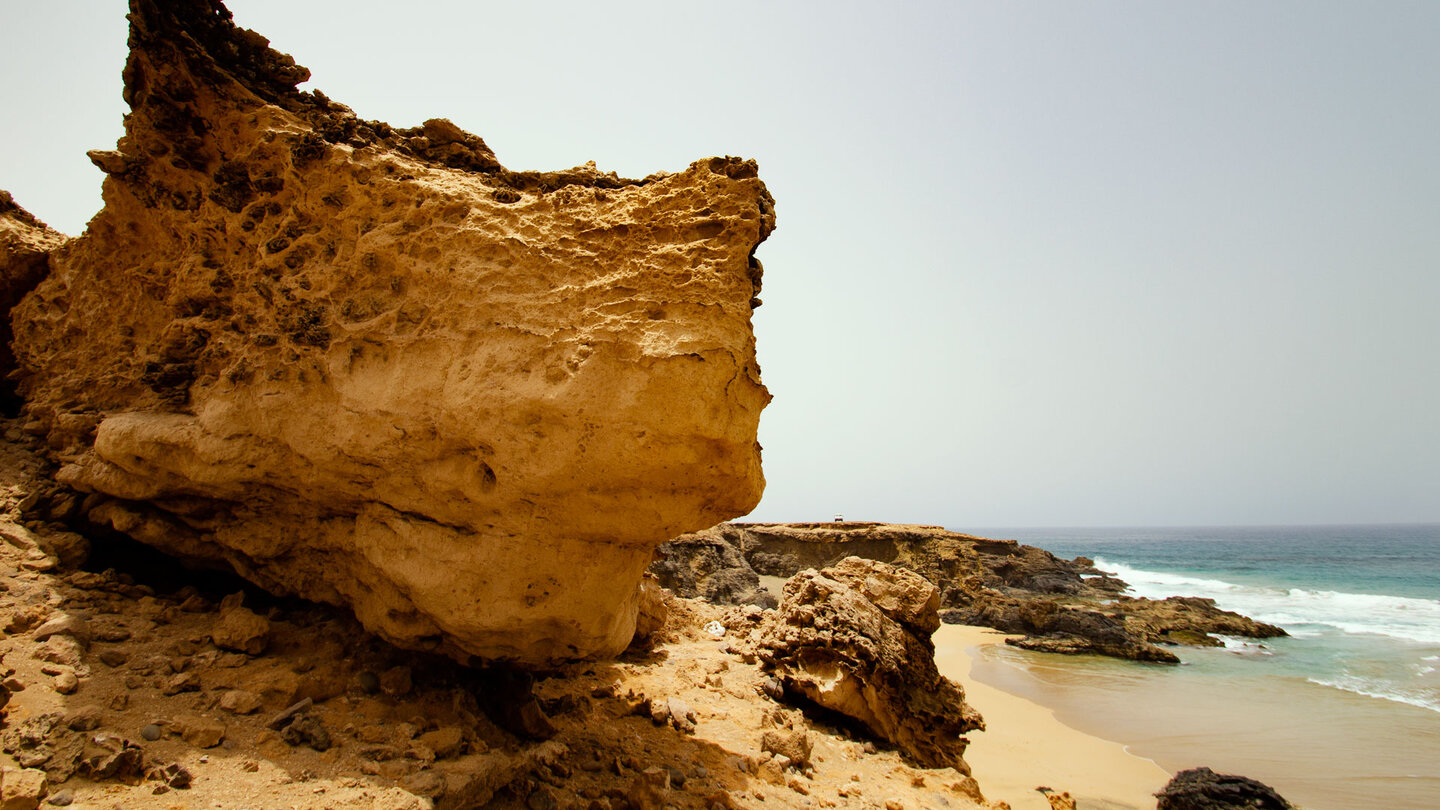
pixel 1343 714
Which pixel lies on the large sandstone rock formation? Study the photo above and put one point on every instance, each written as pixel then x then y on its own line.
pixel 373 367
pixel 855 639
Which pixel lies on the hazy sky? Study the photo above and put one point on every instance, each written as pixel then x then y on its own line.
pixel 1064 263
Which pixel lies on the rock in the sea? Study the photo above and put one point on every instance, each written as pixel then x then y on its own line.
pixel 1189 620
pixel 1052 627
pixel 855 639
pixel 1203 789
pixel 371 366
pixel 944 557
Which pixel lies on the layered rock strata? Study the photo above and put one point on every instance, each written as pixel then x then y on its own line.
pixel 1059 605
pixel 371 366
pixel 855 639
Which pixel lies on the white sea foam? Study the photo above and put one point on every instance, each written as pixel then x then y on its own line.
pixel 1398 617
pixel 1376 689
pixel 1243 646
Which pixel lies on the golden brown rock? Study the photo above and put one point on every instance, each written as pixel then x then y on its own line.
pixel 902 595
pixel 372 367
pixel 241 630
pixel 22 788
pixel 25 245
pixel 855 639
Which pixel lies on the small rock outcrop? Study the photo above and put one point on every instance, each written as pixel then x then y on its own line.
pixel 1203 789
pixel 1189 620
pixel 1049 626
pixel 1097 622
pixel 370 366
pixel 705 565
pixel 855 639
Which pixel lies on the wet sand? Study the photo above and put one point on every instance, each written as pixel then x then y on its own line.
pixel 1025 746
pixel 1322 748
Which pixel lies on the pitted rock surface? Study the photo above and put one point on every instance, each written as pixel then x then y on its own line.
pixel 372 367
pixel 25 246
pixel 848 640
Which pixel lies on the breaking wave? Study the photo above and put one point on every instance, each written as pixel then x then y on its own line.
pixel 1380 689
pixel 1296 609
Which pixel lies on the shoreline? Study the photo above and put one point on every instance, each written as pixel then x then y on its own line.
pixel 1319 747
pixel 1025 745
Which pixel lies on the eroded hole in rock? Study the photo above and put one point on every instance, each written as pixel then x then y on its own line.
pixel 167 575
pixel 830 721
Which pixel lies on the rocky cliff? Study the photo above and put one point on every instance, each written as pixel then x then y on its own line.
pixel 371 366
pixel 1064 606
pixel 25 245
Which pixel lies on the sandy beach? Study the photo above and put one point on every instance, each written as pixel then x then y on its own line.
pixel 1025 746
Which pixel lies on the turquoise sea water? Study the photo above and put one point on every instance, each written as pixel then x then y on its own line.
pixel 1342 714
pixel 1366 599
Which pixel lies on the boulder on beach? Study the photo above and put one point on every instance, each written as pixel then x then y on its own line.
pixel 855 639
pixel 1203 789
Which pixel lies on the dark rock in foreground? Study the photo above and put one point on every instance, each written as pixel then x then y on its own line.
pixel 1203 789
